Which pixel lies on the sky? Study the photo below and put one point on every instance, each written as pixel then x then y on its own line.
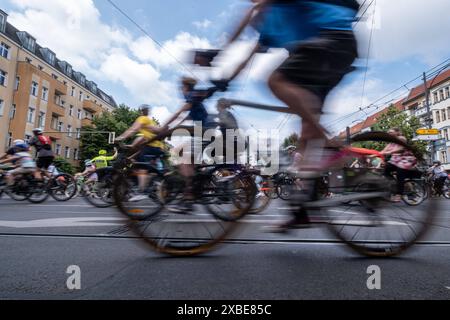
pixel 408 38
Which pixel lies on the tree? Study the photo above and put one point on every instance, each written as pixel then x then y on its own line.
pixel 63 166
pixel 119 120
pixel 395 118
pixel 292 140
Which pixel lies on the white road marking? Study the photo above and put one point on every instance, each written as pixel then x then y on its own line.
pixel 62 222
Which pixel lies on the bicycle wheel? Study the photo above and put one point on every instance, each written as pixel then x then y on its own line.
pixel 263 197
pixel 230 200
pixel 98 194
pixel 63 187
pixel 39 192
pixel 375 225
pixel 414 193
pixel 169 232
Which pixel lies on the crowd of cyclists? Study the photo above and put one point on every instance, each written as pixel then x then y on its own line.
pixel 318 36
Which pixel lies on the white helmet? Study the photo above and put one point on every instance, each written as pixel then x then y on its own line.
pixel 18 141
pixel 37 131
pixel 291 148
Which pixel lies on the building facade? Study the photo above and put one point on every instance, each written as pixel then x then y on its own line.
pixel 415 105
pixel 37 90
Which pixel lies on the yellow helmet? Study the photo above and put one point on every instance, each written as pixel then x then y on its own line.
pixel 102 152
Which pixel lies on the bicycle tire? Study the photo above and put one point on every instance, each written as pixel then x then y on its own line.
pixel 376 224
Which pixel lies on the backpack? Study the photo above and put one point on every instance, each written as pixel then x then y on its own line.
pixel 46 143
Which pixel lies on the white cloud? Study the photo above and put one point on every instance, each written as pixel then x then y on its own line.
pixel 202 24
pixel 172 50
pixel 140 79
pixel 408 28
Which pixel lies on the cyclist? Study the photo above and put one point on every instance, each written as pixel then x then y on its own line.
pixel 402 162
pixel 44 151
pixel 148 128
pixel 23 162
pixel 89 172
pixel 12 150
pixel 319 38
pixel 438 176
pixel 101 161
pixel 196 112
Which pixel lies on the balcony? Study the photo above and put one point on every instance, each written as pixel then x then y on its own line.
pixel 54 134
pixel 86 122
pixel 420 112
pixel 92 107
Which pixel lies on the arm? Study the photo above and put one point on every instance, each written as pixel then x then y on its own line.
pixel 114 156
pixel 244 63
pixel 245 22
pixel 134 128
pixel 185 108
pixel 9 159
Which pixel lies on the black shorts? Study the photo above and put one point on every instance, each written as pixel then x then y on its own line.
pixel 44 162
pixel 320 63
pixel 149 151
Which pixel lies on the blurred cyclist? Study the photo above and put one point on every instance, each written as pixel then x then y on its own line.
pixel 43 145
pixel 23 162
pixel 88 173
pixel 322 48
pixel 148 129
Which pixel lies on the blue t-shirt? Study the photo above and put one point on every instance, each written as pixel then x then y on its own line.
pixel 198 111
pixel 284 24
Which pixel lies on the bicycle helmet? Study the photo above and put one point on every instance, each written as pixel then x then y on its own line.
pixel 37 131
pixel 88 163
pixel 290 148
pixel 21 146
pixel 102 152
pixel 18 141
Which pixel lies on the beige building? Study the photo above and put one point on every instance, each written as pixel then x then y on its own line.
pixel 37 90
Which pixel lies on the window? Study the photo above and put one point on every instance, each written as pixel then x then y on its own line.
pixel 78 133
pixel 71 110
pixel 17 84
pixel 447 92
pixel 69 130
pixel 44 93
pixel 72 92
pixel 441 95
pixel 34 88
pixel 3 75
pixel 30 115
pixel 12 112
pixel 444 115
pixel 444 157
pixel 81 96
pixel 54 123
pixel 58 149
pixel 75 154
pixel 27 138
pixel 41 120
pixel 435 97
pixel 67 152
pixel 60 127
pixel 2 107
pixel 79 114
pixel 438 117
pixel 9 140
pixel 2 22
pixel 4 50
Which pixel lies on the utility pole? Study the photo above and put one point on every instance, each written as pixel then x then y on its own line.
pixel 348 134
pixel 429 118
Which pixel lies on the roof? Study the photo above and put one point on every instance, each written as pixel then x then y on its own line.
pixel 373 119
pixel 11 33
pixel 420 90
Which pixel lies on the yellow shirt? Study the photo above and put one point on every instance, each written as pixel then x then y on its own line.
pixel 146 121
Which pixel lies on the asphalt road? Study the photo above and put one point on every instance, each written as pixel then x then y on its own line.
pixel 39 242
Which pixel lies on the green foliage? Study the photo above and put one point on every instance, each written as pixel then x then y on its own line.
pixel 118 121
pixel 292 140
pixel 394 118
pixel 63 165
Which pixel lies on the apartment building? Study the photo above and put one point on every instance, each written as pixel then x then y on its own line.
pixel 415 104
pixel 37 90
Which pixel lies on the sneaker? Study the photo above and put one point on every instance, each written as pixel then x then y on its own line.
pixel 138 197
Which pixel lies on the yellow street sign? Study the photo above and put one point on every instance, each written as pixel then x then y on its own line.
pixel 427 132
